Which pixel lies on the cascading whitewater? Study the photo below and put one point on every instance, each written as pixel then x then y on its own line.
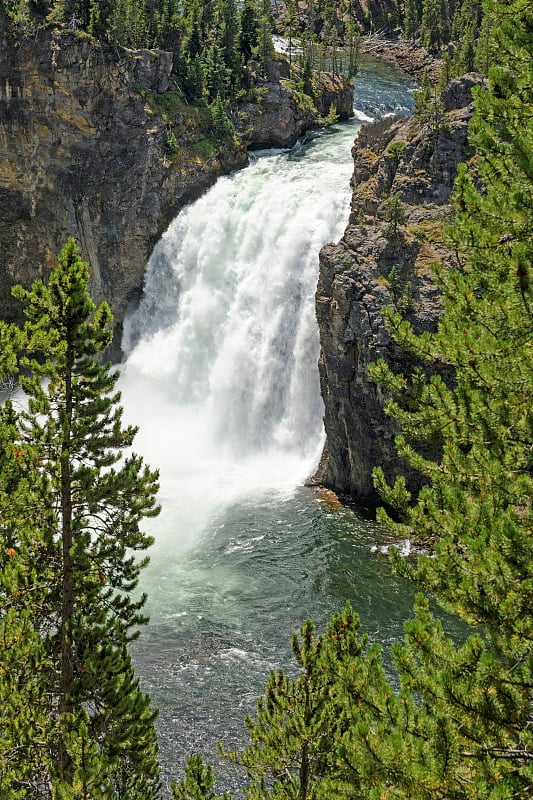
pixel 224 345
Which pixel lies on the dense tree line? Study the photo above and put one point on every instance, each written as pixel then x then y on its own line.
pixel 460 30
pixel 213 43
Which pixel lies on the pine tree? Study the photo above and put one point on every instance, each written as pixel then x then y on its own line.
pixel 475 514
pixel 307 78
pixel 412 13
pixel 248 29
pixel 26 578
pixel 217 74
pixel 222 125
pixel 193 83
pixel 194 46
pixel 468 49
pixel 98 24
pixel 486 50
pixel 292 26
pixel 72 563
pixel 127 23
pixel 198 782
pixel 352 42
pixel 299 722
pixel 171 30
pixel 227 38
pixel 428 105
pixel 393 212
pixel 434 24
pixel 265 46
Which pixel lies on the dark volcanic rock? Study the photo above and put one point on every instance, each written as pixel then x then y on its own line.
pixel 371 268
pixel 458 93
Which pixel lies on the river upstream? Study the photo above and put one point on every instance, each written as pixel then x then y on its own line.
pixel 221 376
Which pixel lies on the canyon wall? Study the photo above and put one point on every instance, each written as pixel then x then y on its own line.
pixel 374 266
pixel 96 145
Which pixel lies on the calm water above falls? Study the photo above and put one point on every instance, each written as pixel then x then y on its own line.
pixel 221 377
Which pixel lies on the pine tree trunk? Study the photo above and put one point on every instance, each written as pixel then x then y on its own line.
pixel 304 771
pixel 66 674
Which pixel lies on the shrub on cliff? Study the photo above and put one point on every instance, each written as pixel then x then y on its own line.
pixel 393 212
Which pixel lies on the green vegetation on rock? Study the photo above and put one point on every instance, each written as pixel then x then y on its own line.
pixel 457 721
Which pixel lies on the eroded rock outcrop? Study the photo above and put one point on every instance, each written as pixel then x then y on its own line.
pixel 82 154
pixel 281 115
pixel 87 150
pixel 374 266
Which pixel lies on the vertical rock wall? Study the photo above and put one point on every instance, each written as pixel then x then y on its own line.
pixel 84 152
pixel 371 268
pixel 81 154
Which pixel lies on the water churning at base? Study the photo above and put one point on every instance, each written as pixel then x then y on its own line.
pixel 222 378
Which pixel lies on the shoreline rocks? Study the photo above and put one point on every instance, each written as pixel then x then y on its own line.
pixel 409 56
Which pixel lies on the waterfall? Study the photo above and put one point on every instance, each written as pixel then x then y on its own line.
pixel 221 376
pixel 221 369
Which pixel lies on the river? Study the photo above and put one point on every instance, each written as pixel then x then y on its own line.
pixel 221 377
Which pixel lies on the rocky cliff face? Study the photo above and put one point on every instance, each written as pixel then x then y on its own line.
pixel 374 266
pixel 84 152
pixel 280 118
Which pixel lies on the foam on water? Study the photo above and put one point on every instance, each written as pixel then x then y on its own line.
pixel 221 376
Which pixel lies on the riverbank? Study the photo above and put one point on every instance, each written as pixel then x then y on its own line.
pixel 409 56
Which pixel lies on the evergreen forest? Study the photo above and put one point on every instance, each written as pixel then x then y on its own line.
pixel 217 46
pixel 456 723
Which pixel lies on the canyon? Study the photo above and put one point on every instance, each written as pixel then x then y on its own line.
pixel 84 146
pixel 84 152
